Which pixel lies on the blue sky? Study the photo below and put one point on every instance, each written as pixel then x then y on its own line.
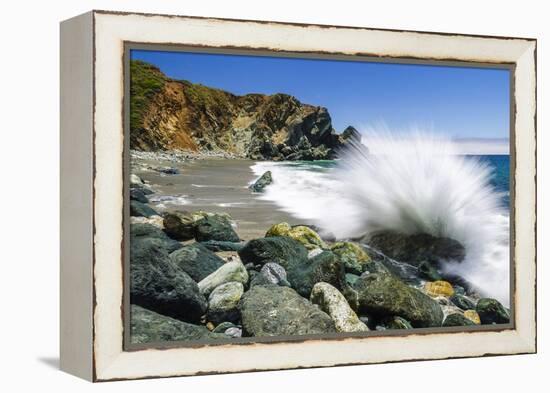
pixel 461 102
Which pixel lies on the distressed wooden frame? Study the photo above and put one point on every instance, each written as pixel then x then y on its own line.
pixel 92 194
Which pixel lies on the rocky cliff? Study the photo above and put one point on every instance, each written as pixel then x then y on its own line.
pixel 167 114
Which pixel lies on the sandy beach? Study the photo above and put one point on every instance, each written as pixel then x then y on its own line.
pixel 215 185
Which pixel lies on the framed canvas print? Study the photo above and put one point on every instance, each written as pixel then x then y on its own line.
pixel 287 196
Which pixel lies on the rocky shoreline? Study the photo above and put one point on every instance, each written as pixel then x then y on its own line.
pixel 193 278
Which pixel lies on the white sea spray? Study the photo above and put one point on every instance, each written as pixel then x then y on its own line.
pixel 409 183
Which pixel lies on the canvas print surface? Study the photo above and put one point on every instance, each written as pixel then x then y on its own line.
pixel 281 197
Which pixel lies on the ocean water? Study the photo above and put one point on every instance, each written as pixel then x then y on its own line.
pixel 418 186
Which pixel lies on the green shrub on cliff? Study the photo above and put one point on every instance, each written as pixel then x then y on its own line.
pixel 145 81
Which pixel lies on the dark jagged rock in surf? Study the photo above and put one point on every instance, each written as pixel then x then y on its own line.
pixel 265 180
pixel 417 248
pixel 462 302
pixel 168 114
pixel 137 194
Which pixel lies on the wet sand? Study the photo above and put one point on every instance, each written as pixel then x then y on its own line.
pixel 215 185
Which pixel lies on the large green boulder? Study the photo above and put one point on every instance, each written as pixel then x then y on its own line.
pixel 271 310
pixel 305 235
pixel 157 284
pixel 138 209
pixel 196 260
pixel 324 267
pixel 215 227
pixel 179 225
pixel 228 272
pixel 142 231
pixel 490 311
pixel 354 257
pixel 384 295
pixel 279 249
pixel 457 319
pixel 149 327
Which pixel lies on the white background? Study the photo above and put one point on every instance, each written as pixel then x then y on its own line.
pixel 29 196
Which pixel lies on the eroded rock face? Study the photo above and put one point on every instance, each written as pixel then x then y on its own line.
pixel 169 114
pixel 196 260
pixel 149 327
pixel 279 249
pixel 157 284
pixel 354 257
pixel 415 249
pixel 383 294
pixel 331 301
pixel 138 209
pixel 272 310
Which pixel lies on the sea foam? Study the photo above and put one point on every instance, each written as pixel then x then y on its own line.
pixel 416 183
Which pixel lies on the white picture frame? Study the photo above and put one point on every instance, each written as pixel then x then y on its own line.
pixel 92 194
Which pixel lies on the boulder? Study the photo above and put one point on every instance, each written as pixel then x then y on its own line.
pixel 271 273
pixel 217 246
pixel 139 209
pixel 354 257
pixel 262 182
pixel 230 271
pixel 223 302
pixel 196 260
pixel 439 288
pixel 157 284
pixel 215 228
pixel 179 225
pixel 270 310
pixel 383 295
pixel 144 231
pixel 417 248
pixel 473 316
pixel 325 267
pixel 490 311
pixel 149 327
pixel 135 180
pixel 279 249
pixel 463 302
pixel 457 319
pixel 137 194
pixel 331 301
pixel 305 235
